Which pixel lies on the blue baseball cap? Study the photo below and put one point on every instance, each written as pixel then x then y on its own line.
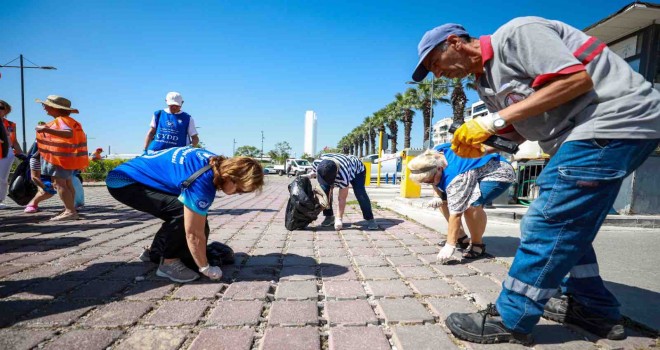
pixel 430 40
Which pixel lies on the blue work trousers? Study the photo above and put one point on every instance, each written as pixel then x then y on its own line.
pixel 577 189
pixel 360 193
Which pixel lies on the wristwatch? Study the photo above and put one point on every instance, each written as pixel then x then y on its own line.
pixel 498 122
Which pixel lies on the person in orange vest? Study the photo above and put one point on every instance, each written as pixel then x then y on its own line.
pixel 97 154
pixel 7 143
pixel 63 149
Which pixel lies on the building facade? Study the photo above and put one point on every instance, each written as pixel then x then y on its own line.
pixel 633 34
pixel 310 133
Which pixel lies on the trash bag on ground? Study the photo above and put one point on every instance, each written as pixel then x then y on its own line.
pixel 21 188
pixel 303 206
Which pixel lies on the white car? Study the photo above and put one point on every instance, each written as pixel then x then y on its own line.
pixel 390 165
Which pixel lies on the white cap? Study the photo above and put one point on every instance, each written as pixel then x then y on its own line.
pixel 174 99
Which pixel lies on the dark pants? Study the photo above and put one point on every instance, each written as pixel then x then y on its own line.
pixel 170 241
pixel 360 193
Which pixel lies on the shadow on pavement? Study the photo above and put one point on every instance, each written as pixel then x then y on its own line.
pixel 642 303
pixel 40 244
pixel 61 299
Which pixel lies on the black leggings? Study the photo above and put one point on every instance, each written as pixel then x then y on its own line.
pixel 170 241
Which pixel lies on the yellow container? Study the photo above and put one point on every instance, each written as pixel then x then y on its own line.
pixel 409 189
pixel 367 178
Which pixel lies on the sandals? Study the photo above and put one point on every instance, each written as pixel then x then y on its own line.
pixel 65 217
pixel 462 242
pixel 472 254
pixel 31 209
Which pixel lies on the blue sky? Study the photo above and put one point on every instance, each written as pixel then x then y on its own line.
pixel 242 66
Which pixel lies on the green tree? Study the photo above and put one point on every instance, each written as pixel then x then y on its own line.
pixel 392 115
pixel 458 98
pixel 248 151
pixel 421 99
pixel 406 103
pixel 281 152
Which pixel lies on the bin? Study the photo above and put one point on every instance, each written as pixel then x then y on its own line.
pixel 409 188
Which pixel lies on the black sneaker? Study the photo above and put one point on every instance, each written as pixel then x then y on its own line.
pixel 328 221
pixel 567 310
pixel 484 327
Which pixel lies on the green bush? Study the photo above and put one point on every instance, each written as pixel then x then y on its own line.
pixel 98 170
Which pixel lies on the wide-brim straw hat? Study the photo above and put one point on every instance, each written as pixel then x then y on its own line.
pixel 57 102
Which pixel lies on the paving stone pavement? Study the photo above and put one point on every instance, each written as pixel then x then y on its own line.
pixel 80 284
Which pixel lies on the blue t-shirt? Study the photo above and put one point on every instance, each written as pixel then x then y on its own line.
pixel 165 171
pixel 171 130
pixel 457 165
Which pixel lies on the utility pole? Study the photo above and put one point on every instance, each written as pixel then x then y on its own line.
pixel 233 152
pixel 262 145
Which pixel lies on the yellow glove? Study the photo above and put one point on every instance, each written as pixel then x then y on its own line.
pixel 467 151
pixel 475 131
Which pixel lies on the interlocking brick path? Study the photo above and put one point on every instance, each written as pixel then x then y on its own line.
pixel 80 284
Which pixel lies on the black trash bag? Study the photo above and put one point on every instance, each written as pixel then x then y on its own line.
pixel 303 207
pixel 217 253
pixel 21 188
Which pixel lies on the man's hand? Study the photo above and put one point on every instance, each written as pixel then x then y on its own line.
pixel 212 272
pixel 468 139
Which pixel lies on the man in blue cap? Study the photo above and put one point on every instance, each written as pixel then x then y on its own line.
pixel 546 81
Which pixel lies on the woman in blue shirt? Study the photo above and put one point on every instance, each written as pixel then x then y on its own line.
pixel 468 184
pixel 178 186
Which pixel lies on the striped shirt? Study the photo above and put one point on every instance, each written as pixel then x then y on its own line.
pixel 348 165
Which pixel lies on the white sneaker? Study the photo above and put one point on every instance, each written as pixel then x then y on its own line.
pixel 338 224
pixel 3 205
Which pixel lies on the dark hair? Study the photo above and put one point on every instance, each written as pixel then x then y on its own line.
pixel 245 172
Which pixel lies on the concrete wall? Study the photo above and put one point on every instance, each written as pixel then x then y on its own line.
pixel 640 192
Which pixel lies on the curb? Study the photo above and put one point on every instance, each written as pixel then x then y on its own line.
pixel 513 216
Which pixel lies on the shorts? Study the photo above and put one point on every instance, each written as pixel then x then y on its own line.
pixel 54 170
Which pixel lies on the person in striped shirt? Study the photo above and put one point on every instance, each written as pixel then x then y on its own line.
pixel 339 170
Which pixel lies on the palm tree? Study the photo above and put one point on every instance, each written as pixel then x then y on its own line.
pixel 421 96
pixel 378 121
pixel 392 114
pixel 370 128
pixel 405 102
pixel 458 98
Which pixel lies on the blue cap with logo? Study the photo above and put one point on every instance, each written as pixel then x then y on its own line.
pixel 430 40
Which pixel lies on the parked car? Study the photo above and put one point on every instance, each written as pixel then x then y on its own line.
pixel 390 165
pixel 270 170
pixel 294 166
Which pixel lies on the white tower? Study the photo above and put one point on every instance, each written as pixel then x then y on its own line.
pixel 310 133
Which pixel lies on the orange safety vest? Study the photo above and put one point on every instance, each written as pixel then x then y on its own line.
pixel 68 153
pixel 11 129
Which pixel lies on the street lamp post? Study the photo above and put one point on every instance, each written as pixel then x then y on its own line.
pixel 22 66
pixel 262 146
